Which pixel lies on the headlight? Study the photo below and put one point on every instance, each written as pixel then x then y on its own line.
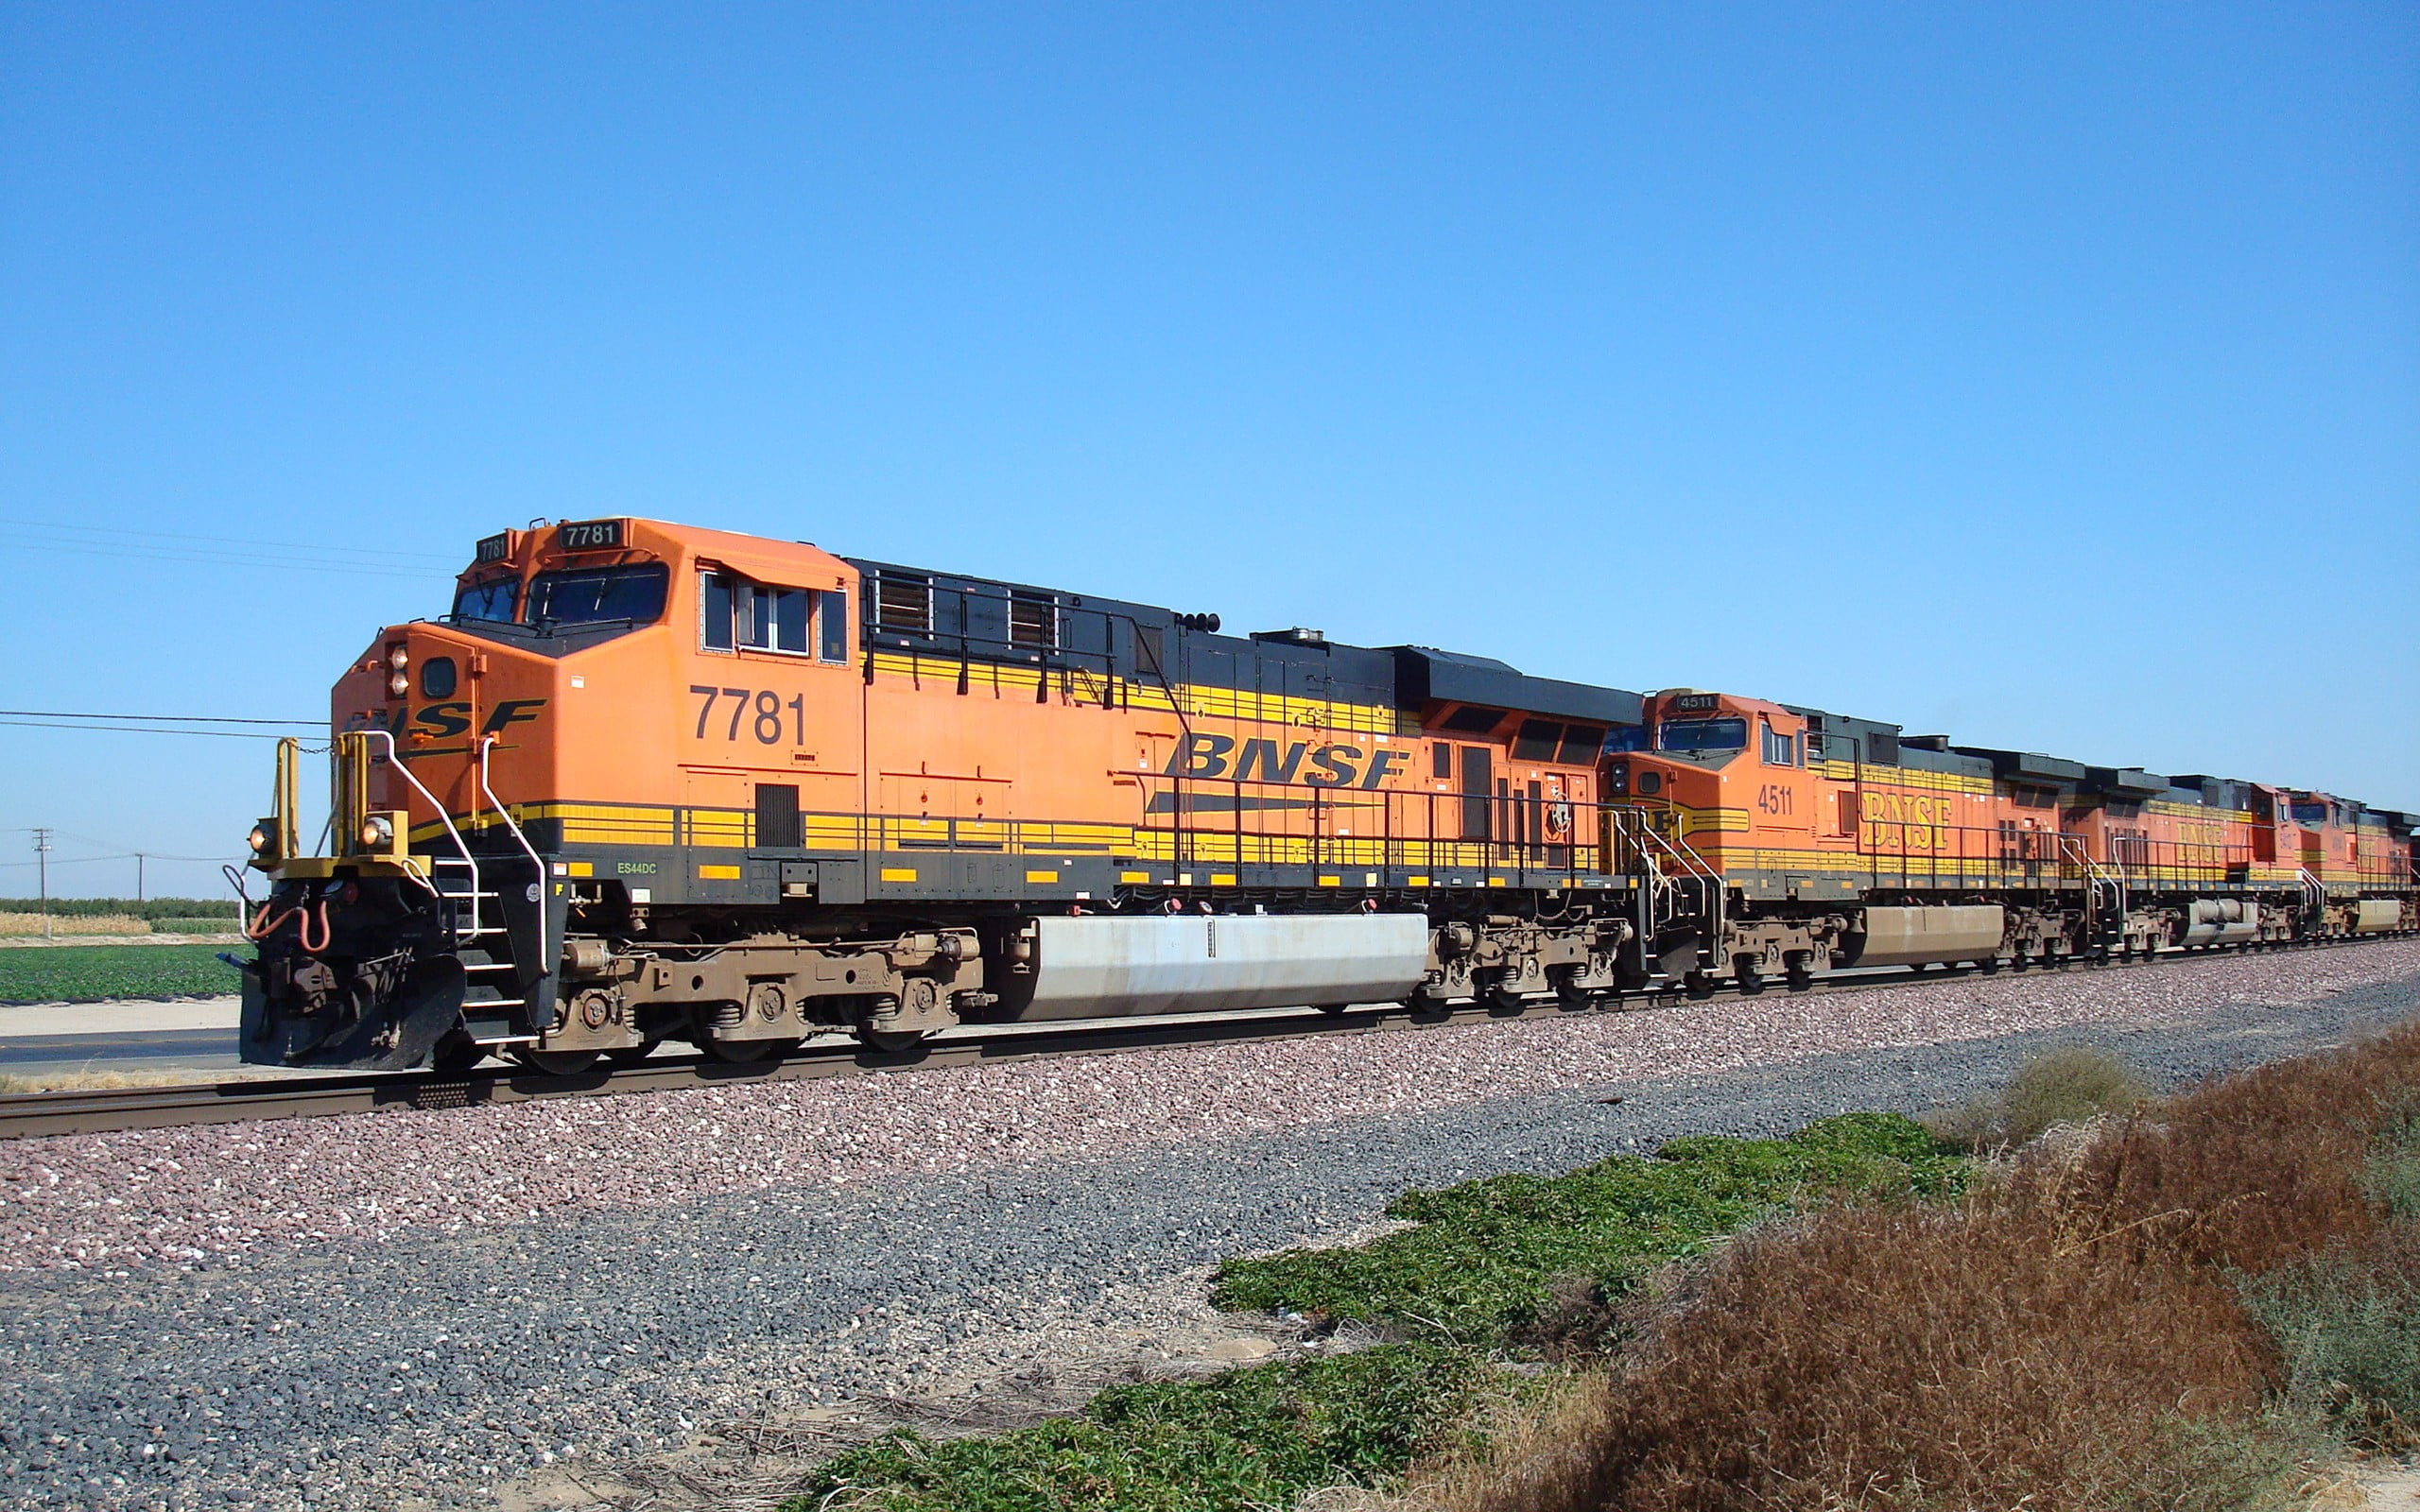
pixel 258 840
pixel 377 833
pixel 398 657
pixel 400 684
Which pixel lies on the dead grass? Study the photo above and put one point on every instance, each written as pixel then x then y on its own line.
pixel 87 1081
pixel 2072 1337
pixel 20 926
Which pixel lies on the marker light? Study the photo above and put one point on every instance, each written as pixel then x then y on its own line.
pixel 258 840
pixel 377 834
pixel 397 657
pixel 399 684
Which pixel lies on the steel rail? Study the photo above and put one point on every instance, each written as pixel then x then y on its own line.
pixel 37 1115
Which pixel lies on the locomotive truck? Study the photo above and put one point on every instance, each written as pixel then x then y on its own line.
pixel 647 782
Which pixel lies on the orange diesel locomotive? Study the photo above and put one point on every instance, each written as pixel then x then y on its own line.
pixel 647 782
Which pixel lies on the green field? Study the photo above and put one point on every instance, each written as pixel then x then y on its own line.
pixel 84 974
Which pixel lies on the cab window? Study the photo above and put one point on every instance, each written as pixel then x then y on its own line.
pixel 1626 737
pixel 494 600
pixel 1701 734
pixel 600 596
pixel 739 614
pixel 1779 749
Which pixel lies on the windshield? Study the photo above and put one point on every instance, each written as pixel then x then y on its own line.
pixel 490 600
pixel 1626 737
pixel 596 594
pixel 1701 734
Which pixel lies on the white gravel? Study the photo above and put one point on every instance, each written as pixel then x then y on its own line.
pixel 184 1196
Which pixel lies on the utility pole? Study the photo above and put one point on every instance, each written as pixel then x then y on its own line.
pixel 138 879
pixel 42 871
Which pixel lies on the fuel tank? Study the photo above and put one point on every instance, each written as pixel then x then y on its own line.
pixel 1093 968
pixel 2376 915
pixel 2220 921
pixel 1917 937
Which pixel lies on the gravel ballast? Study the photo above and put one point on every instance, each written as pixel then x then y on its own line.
pixel 280 1314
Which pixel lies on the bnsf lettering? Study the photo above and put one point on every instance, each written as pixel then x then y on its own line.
pixel 1338 765
pixel 1912 821
pixel 453 717
pixel 443 719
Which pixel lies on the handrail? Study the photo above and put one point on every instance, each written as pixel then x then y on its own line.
pixel 2314 891
pixel 544 962
pixel 395 763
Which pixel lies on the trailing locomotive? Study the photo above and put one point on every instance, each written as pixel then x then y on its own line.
pixel 647 782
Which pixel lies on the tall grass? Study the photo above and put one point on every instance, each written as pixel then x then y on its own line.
pixel 2073 1085
pixel 21 926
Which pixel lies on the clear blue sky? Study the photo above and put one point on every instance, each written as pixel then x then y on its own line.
pixel 2046 375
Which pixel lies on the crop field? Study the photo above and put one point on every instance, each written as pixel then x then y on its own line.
pixel 93 974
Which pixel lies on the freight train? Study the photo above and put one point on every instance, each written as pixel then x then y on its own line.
pixel 647 782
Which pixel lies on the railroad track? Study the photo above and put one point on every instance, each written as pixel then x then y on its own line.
pixel 33 1115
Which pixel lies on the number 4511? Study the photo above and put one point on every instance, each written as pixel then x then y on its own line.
pixel 765 706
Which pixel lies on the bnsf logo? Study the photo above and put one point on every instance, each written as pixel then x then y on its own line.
pixel 452 718
pixel 1216 756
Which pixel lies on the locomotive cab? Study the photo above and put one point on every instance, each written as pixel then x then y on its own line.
pixel 437 928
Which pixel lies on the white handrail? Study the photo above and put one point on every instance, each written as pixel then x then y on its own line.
pixel 396 762
pixel 544 963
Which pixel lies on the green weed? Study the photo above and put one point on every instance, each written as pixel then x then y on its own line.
pixel 1246 1439
pixel 1487 1256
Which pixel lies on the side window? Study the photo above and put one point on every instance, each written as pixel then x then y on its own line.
pixel 738 614
pixel 1780 749
pixel 716 602
pixel 832 618
pixel 902 602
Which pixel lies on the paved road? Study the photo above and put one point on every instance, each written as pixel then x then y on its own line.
pixel 154 1050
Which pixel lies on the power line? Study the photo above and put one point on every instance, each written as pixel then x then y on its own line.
pixel 135 729
pixel 164 719
pixel 318 546
pixel 222 558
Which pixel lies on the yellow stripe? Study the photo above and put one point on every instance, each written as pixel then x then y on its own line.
pixel 1193 699
pixel 712 873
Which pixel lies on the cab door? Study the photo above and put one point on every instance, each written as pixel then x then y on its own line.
pixel 772 729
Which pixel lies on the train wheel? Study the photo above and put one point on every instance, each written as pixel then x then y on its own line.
pixel 1697 984
pixel 736 1052
pixel 889 1041
pixel 456 1052
pixel 1751 978
pixel 1798 977
pixel 633 1055
pixel 1989 966
pixel 1333 1010
pixel 555 1062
